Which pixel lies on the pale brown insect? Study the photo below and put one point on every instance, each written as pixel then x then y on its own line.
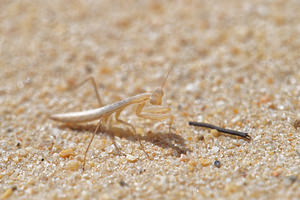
pixel 105 114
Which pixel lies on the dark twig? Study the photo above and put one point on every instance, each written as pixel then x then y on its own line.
pixel 223 130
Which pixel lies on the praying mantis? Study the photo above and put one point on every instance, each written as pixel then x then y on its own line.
pixel 149 106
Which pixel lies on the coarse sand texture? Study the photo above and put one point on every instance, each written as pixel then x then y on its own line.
pixel 235 64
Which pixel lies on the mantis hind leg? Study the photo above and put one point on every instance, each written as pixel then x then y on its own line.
pixel 117 117
pixel 92 80
pixel 87 149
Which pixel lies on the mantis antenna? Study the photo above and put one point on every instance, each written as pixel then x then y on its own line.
pixel 167 76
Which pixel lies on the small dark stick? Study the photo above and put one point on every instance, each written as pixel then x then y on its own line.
pixel 223 130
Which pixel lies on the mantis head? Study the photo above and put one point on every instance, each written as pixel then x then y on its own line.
pixel 158 93
pixel 156 97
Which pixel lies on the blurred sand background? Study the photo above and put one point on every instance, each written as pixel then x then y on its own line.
pixel 236 65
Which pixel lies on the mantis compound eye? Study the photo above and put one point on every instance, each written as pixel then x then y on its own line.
pixel 156 97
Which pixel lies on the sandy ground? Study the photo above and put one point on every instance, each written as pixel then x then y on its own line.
pixel 235 63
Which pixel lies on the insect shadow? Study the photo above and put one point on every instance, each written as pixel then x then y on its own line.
pixel 161 139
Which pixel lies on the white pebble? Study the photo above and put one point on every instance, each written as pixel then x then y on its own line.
pixel 215 149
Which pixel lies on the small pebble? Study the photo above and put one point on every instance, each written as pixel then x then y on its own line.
pixel 66 153
pixel 122 183
pixel 9 130
pixel 140 171
pixel 217 164
pixel 200 138
pixel 88 69
pixel 192 165
pixel 275 173
pixel 73 165
pixel 297 124
pixel 215 149
pixel 131 158
pixel 292 178
pixel 204 162
pixel 215 133
pixel 14 188
pixel 92 164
